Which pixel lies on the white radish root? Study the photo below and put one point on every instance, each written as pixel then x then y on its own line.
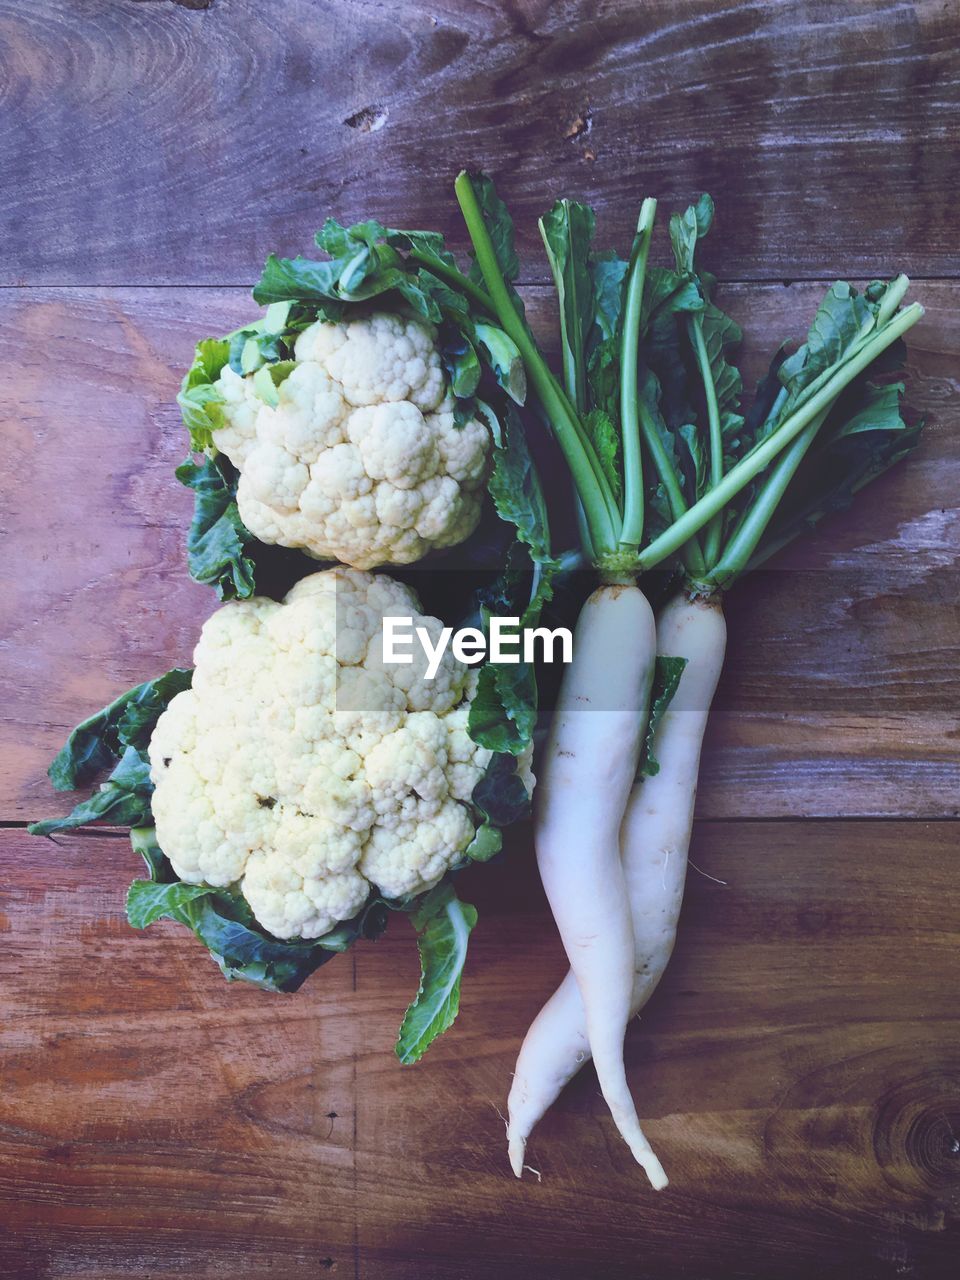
pixel 654 839
pixel 585 782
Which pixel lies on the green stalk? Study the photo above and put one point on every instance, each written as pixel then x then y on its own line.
pixel 601 520
pixel 753 522
pixel 737 553
pixel 711 545
pixel 632 529
pixel 440 269
pixel 896 291
pixel 763 454
pixel 692 555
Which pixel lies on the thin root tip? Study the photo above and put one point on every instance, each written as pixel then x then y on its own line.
pixel 652 1167
pixel 648 1161
pixel 516 1148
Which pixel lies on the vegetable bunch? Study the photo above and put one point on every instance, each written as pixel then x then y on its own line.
pixel 289 794
pixel 667 468
pixel 292 792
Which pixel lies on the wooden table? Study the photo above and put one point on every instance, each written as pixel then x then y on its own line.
pixel 799 1069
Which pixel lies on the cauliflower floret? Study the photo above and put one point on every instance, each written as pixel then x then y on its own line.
pixel 466 760
pixel 299 898
pixel 275 477
pixel 241 409
pixel 202 844
pixel 309 417
pixel 302 769
pixel 381 357
pixel 411 853
pixel 360 460
pixel 394 444
pixel 410 762
pixel 463 449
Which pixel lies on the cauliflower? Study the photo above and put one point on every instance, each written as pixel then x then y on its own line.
pixel 304 770
pixel 359 460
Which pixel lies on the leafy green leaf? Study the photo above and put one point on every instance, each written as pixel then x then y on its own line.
pixel 863 436
pixel 217 538
pixel 429 244
pixel 567 232
pixel 461 362
pixel 503 713
pixel 514 486
pixel 200 400
pixel 720 335
pixel 664 353
pixel 364 265
pixel 603 378
pixel 693 460
pixel 346 242
pixel 500 795
pixel 666 680
pixel 99 740
pixel 148 901
pixel 504 360
pixel 143 840
pixel 123 800
pixel 222 920
pixel 486 843
pixel 687 228
pixel 842 319
pixel 760 419
pixel 303 279
pixel 607 274
pixel 443 924
pixel 605 439
pixel 874 408
pixel 651 394
pixel 499 223
pixel 668 293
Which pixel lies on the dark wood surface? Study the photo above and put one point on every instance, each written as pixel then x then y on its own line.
pixel 180 142
pixel 800 1068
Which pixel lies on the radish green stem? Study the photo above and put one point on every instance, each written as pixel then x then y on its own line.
pixel 692 555
pixel 896 291
pixel 759 458
pixel 711 545
pixel 751 529
pixel 598 504
pixel 632 529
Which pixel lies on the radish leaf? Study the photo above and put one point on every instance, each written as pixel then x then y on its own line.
pixel 666 678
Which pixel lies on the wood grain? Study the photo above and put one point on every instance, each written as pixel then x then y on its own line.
pixel 841 692
pixel 158 142
pixel 800 1067
pixel 799 1072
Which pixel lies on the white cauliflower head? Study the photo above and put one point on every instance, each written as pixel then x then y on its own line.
pixel 303 769
pixel 360 460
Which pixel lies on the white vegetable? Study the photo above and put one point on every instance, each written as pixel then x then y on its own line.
pixel 589 767
pixel 654 840
pixel 303 768
pixel 359 459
